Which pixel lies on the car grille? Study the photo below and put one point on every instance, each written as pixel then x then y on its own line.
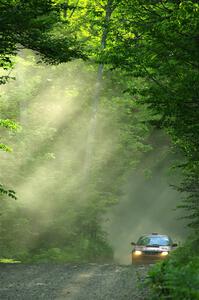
pixel 151 252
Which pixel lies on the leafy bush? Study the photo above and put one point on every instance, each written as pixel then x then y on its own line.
pixel 84 251
pixel 53 255
pixel 177 277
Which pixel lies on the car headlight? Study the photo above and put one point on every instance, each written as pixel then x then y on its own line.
pixel 164 253
pixel 137 252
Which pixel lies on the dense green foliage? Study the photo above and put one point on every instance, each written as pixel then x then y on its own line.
pixel 159 41
pixel 31 24
pixel 164 49
pixel 177 277
pixel 8 124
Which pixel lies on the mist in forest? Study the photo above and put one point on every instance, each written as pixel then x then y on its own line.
pixel 59 204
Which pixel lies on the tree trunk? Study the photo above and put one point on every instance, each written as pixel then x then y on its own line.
pixel 93 122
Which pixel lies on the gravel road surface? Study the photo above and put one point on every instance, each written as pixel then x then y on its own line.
pixel 72 282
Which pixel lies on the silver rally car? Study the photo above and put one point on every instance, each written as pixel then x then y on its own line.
pixel 151 248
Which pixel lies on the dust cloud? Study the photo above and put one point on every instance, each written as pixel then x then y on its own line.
pixel 149 202
pixel 54 105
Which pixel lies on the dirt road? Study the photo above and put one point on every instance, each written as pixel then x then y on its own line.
pixel 72 282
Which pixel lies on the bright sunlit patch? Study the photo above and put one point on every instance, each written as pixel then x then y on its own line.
pixel 164 253
pixel 137 252
pixel 9 261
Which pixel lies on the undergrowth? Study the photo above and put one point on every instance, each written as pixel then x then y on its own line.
pixel 177 278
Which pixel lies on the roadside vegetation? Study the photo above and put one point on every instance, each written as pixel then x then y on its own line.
pixel 129 79
pixel 176 277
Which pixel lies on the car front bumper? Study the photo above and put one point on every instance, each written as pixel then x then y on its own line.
pixel 147 258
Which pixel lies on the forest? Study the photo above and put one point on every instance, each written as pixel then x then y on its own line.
pixel 89 90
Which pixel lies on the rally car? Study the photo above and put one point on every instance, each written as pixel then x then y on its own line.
pixel 151 248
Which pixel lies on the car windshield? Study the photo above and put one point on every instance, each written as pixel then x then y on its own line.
pixel 154 240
